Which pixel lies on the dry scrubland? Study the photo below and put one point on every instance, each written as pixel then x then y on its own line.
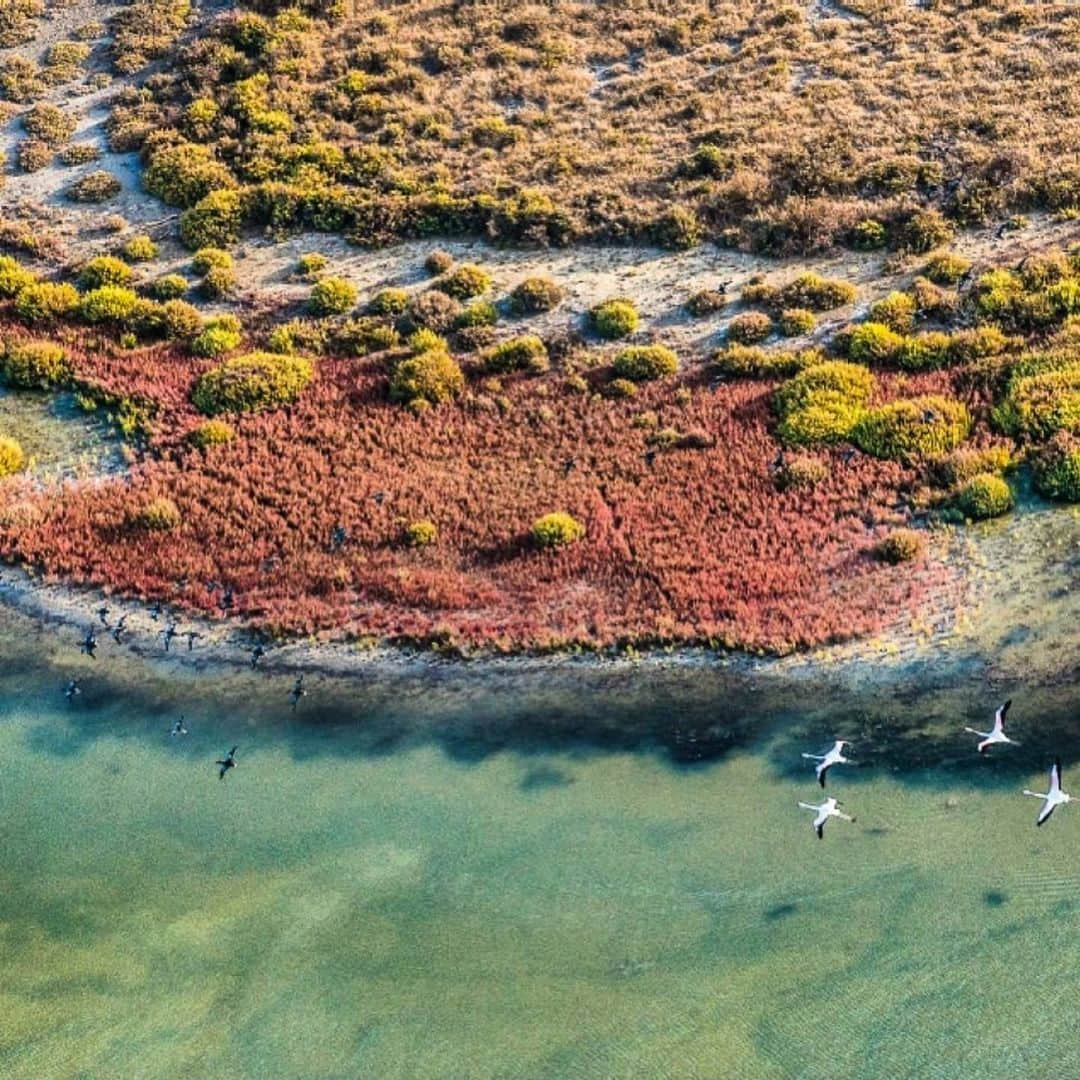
pixel 479 461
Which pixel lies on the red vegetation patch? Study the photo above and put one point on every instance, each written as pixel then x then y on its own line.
pixel 698 545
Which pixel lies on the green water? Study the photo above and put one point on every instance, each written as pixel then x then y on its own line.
pixel 564 873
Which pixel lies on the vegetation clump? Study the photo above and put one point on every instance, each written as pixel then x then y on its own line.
pixel 946 268
pixel 438 262
pixel 556 530
pixel 754 362
pixel 252 382
pixel 985 496
pixel 389 302
pixel 706 302
pixel 211 433
pixel 46 301
pixel 12 458
pixel 464 282
pixel 614 318
pixel 800 472
pixel 750 328
pixel 140 248
pixel 900 546
pixel 823 403
pixel 435 310
pixel 433 377
pixel 913 427
pixel 874 343
pixel 169 287
pixel 219 335
pixel 535 295
pixel 158 515
pixel 524 353
pixel 421 534
pixel 1056 469
pixel 14 277
pixel 104 270
pixel 108 304
pixel 332 296
pixel 36 365
pixel 95 187
pixel 896 311
pixel 643 363
pixel 1042 397
pixel 795 322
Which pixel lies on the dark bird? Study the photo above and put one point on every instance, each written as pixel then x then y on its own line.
pixel 379 497
pixel 118 630
pixel 226 601
pixel 168 634
pixel 569 465
pixel 89 644
pixel 178 728
pixel 778 462
pixel 191 636
pixel 72 689
pixel 103 615
pixel 227 762
pixel 257 654
pixel 650 457
pixel 1002 229
pixel 929 416
pixel 156 611
pixel 338 537
pixel 722 288
pixel 848 456
pixel 297 691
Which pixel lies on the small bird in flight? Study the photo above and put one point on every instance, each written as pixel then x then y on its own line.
pixel 88 645
pixel 227 762
pixel 826 761
pixel 118 630
pixel 168 634
pixel 1053 798
pixel 72 689
pixel 998 734
pixel 103 615
pixel 178 728
pixel 156 611
pixel 823 812
pixel 298 691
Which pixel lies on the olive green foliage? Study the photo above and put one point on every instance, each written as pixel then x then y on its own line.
pixel 823 403
pixel 621 388
pixel 1056 469
pixel 211 433
pixel 896 311
pixel 95 187
pixel 14 277
pixel 104 270
pixel 900 546
pixel 252 382
pixel 36 365
pixel 534 295
pixel 421 534
pixel 49 124
pixel 108 303
pixel 749 328
pixel 976 343
pixel 311 264
pixel 332 296
pixel 642 363
pixel 985 496
pixel 432 376
pixel 800 472
pixel 614 318
pixel 216 219
pixel 464 282
pixel 389 301
pixel 45 301
pixel 184 173
pixel 211 258
pixel 158 515
pixel 358 337
pixel 924 352
pixel 946 268
pixel 218 336
pixel 868 235
pixel 139 249
pixel 179 320
pixel 422 340
pixel 478 313
pixel 169 287
pixel 218 282
pixel 556 530
pixel 524 353
pixel 911 428
pixel 816 293
pixel 962 464
pixel 754 362
pixel 706 302
pixel 794 322
pixel 925 231
pixel 873 343
pixel 1042 396
pixel 12 458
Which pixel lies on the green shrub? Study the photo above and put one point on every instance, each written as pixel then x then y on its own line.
pixel 976 343
pixel 1056 469
pixel 903 545
pixel 752 361
pixel 220 335
pixel 359 337
pixel 79 154
pixel 464 282
pixel 479 313
pixel 896 311
pixel 816 293
pixel 14 277
pixel 421 534
pixel 158 515
pixel 852 382
pixel 997 294
pixel 621 388
pixel 524 353
pixel 218 282
pixel 706 302
pixel 215 220
pixel 332 296
pixel 965 462
pixel 1041 404
pixel 211 258
pixel 749 328
pixel 251 383
pixel 794 322
pixel 36 365
pixel 45 301
pixel 924 352
pixel 423 340
pixel 95 187
pixel 925 231
pixel 911 428
pixel 759 291
pixel 12 458
pixel 211 433
pixel 140 249
pixel 434 309
pixel 985 496
pixel 641 363
pixel 49 124
pixel 432 376
pixel 874 343
pixel 868 235
pixel 108 303
pixel 184 173
pixel 104 270
pixel 614 318
pixel 311 264
pixel 801 472
pixel 556 530
pixel 534 295
pixel 169 287
pixel 946 268
pixel 389 302
pixel 677 229
pixel 179 320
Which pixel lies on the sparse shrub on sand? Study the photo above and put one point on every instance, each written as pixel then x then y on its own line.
pixel 946 268
pixel 49 124
pixel 95 187
pixel 534 295
pixel 614 318
pixel 478 313
pixel 750 328
pixel 218 282
pixel 524 353
pixel 139 248
pixel 211 258
pixel 896 311
pixel 389 301
pixel 925 230
pixel 754 362
pixel 795 322
pixel 434 309
pixel 252 382
pixel 311 264
pixel 816 293
pixel 332 296
pixel 464 282
pixel 169 287
pixel 556 530
pixel 438 262
pixel 34 154
pixel 643 363
pixel 104 270
pixel 706 302
pixel 985 496
pixel 216 219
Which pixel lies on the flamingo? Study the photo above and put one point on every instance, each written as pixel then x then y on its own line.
pixel 1054 798
pixel 824 811
pixel 826 761
pixel 998 734
pixel 227 762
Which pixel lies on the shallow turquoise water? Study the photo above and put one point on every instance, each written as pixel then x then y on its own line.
pixel 578 873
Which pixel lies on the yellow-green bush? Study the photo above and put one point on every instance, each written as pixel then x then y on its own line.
pixel 985 496
pixel 50 124
pixel 621 388
pixel 614 318
pixel 179 320
pixel 421 534
pixel 251 383
pixel 210 258
pixel 36 365
pixel 184 173
pixel 641 363
pixel 432 376
pixel 220 335
pixel 924 352
pixel 524 353
pixel 311 264
pixel 14 277
pixel 108 303
pixel 218 281
pixel 816 293
pixel 913 427
pixel 215 220
pixel 358 337
pixel 754 362
pixel 211 433
pixel 945 268
pixel 963 463
pixel 794 322
pixel 874 343
pixel 534 295
pixel 1042 396
pixel 104 270
pixel 169 287
pixel 825 418
pixel 478 313
pixel 853 383
pixel 45 301
pixel 332 296
pixel 389 301
pixel 1056 469
pixel 925 230
pixel 12 458
pixel 900 546
pixel 556 530
pixel 464 282
pixel 158 515
pixel 896 311
pixel 749 328
pixel 976 343
pixel 140 249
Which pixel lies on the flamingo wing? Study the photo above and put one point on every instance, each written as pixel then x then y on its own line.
pixel 1046 811
pixel 1055 777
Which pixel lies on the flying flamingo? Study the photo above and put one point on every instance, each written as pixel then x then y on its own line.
pixel 998 734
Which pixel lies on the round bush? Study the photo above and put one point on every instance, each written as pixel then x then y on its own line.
pixel 914 427
pixel 184 173
pixel 621 388
pixel 479 313
pixel 45 301
pixel 95 187
pixel 851 383
pixel 896 311
pixel 50 124
pixel 311 264
pixel 389 302
pixel 211 433
pixel 211 258
pixel 801 472
pixel 158 515
pixel 423 340
pixel 464 282
pixel 438 262
pixel 436 310
pixel 218 282
pixel 432 376
pixel 706 302
pixel 750 328
pixel 219 336
pixel 34 154
pixel 1057 469
pixel 641 363
pixel 214 220
pixel 108 303
pixel 903 545
pixel 36 365
pixel 332 296
pixel 251 383
pixel 14 277
pixel 140 249
pixel 169 287
pixel 534 295
pixel 946 268
pixel 924 352
pixel 825 418
pixel 556 530
pixel 794 322
pixel 104 270
pixel 754 362
pixel 816 293
pixel 925 231
pixel 421 534
pixel 873 343
pixel 1041 404
pixel 868 235
pixel 985 496
pixel 179 320
pixel 359 337
pixel 12 458
pixel 614 318
pixel 524 353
